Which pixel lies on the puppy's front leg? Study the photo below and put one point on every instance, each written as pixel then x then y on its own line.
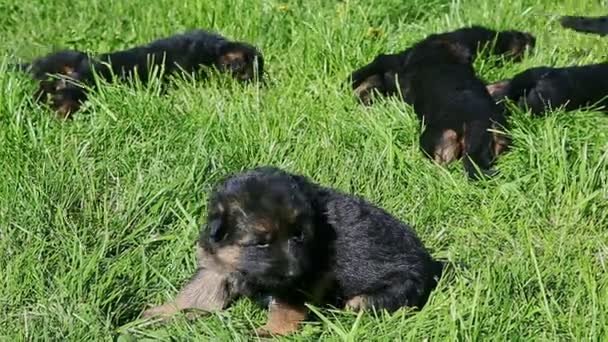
pixel 283 318
pixel 208 291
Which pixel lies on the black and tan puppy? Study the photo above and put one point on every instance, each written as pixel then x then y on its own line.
pixel 543 88
pixel 189 53
pixel 380 76
pixel 57 76
pixel 594 25
pixel 272 233
pixel 459 117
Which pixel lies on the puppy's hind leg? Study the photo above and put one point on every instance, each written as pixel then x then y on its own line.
pixel 499 90
pixel 207 291
pixel 367 88
pixel 412 293
pixel 440 144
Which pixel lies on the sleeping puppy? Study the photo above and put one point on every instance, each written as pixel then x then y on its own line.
pixel 58 78
pixel 189 53
pixel 594 25
pixel 379 76
pixel 459 117
pixel 272 234
pixel 542 88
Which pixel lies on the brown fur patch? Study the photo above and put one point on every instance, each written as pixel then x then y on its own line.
pixel 243 73
pixel 228 256
pixel 232 56
pixel 283 319
pixel 356 303
pixel 448 148
pixel 67 70
pixel 265 226
pixel 500 141
pixel 225 259
pixel 66 108
pixel 498 88
pixel 365 89
pixel 206 291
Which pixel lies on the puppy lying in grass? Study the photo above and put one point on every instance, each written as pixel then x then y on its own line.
pixel 64 76
pixel 380 76
pixel 459 117
pixel 272 233
pixel 542 88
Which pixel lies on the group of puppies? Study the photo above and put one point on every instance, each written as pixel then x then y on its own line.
pixel 462 117
pixel 284 241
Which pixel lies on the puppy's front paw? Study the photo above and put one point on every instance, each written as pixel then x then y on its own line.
pixel 269 330
pixel 162 312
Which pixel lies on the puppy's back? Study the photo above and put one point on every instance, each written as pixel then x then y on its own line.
pixel 373 249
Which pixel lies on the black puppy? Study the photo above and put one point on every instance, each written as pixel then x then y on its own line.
pixel 456 110
pixel 595 25
pixel 542 88
pixel 189 53
pixel 275 234
pixel 380 75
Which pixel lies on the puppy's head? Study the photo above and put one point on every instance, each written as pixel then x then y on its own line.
pixel 243 61
pixel 64 62
pixel 261 225
pixel 58 74
pixel 514 44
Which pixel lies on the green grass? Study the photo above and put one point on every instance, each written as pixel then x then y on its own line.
pixel 98 216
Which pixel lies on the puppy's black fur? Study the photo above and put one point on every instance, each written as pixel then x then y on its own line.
pixel 380 75
pixel 542 88
pixel 454 106
pixel 272 234
pixel 594 25
pixel 190 52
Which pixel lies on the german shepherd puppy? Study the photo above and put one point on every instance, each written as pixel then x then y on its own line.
pixel 459 117
pixel 65 76
pixel 544 88
pixel 275 234
pixel 380 76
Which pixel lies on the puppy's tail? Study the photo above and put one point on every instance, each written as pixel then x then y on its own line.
pixel 595 25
